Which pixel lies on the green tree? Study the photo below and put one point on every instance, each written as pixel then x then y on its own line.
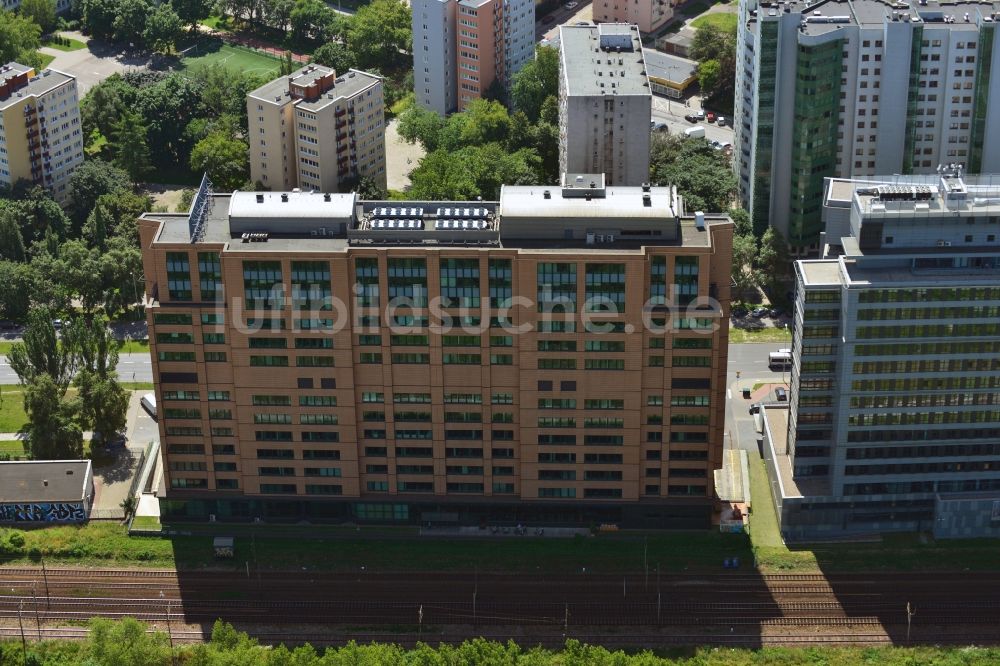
pixel 335 55
pixel 419 124
pixel 380 34
pixel 92 180
pixel 472 171
pixel 19 38
pixel 702 175
pixel 224 158
pixel 744 259
pixel 191 12
pixel 130 21
pixel 121 274
pixel 483 121
pixel 103 401
pixel 536 81
pixel 712 43
pixel 98 17
pixel 773 259
pixel 126 643
pixel 131 149
pixel 741 219
pixel 163 29
pixel 39 352
pixel 312 20
pixel 103 105
pixel 77 270
pixel 51 431
pixel 709 74
pixel 37 213
pixel 11 240
pixel 42 12
pixel 115 214
pixel 16 286
pixel 366 187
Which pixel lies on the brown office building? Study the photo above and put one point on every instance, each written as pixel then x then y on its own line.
pixel 552 358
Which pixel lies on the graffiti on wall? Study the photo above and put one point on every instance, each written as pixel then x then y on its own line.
pixel 43 512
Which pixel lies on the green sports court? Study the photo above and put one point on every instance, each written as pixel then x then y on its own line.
pixel 237 58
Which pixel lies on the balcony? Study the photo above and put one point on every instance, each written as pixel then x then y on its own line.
pixel 341 136
pixel 340 124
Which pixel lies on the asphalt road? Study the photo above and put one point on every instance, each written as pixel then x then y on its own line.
pixel 750 361
pixel 131 368
pixel 672 112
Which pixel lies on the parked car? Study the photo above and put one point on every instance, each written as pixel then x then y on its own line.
pixel 739 311
pixel 774 312
pixel 695 117
pixel 759 312
pixel 710 117
pixel 755 408
pixel 57 324
pixel 695 132
pixel 659 127
pixel 721 121
pixel 548 19
pixel 582 23
pixel 781 394
pixel 572 4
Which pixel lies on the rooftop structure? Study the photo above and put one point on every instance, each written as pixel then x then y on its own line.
pixel 669 74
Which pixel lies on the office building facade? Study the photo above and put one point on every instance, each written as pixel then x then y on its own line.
pixel 324 357
pixel 462 47
pixel 852 89
pixel 41 138
pixel 648 15
pixel 605 103
pixel 316 130
pixel 894 409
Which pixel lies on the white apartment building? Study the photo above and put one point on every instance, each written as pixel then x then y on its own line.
pixel 315 130
pixel 851 89
pixel 434 75
pixel 462 47
pixel 41 139
pixel 605 103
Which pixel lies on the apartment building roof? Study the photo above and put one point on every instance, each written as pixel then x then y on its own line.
pixel 570 217
pixel 830 15
pixel 913 196
pixel 314 87
pixel 18 89
pixel 604 59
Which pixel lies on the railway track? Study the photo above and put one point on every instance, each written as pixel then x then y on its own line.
pixel 745 603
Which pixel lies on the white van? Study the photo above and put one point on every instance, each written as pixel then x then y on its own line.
pixel 148 403
pixel 695 132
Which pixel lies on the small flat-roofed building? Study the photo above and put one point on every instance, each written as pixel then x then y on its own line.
pixel 46 491
pixel 669 74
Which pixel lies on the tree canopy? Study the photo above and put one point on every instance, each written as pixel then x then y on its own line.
pixel 19 38
pixel 701 173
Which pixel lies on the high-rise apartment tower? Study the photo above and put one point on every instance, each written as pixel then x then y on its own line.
pixel 605 103
pixel 852 89
pixel 41 140
pixel 462 47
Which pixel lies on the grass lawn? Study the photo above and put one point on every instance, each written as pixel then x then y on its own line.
pixel 217 22
pixel 46 60
pixel 12 415
pixel 146 523
pixel 402 104
pixel 210 51
pixel 721 20
pixel 895 552
pixel 74 45
pixel 138 386
pixel 133 346
pixel 14 449
pixel 741 335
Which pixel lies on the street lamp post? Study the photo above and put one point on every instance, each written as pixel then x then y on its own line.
pixel 34 602
pixel 20 622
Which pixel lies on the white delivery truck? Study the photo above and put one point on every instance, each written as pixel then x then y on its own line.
pixel 695 132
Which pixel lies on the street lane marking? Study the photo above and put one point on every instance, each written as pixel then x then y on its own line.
pixel 729 394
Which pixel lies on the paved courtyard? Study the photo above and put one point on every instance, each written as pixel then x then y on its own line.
pixel 95 63
pixel 400 157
